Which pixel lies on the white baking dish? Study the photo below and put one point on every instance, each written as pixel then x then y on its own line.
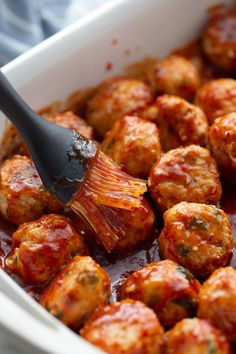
pixel 73 59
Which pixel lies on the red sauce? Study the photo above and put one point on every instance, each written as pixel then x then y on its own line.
pixel 109 66
pixel 117 266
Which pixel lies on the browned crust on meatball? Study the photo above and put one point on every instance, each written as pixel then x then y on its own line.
pixel 217 301
pixel 116 98
pixel 180 123
pixel 193 336
pixel 133 144
pixel 217 98
pixel 125 327
pixel 166 287
pixel 41 247
pixel 22 194
pixel 219 40
pixel 222 139
pixel 174 75
pixel 185 174
pixel 76 291
pixel 197 236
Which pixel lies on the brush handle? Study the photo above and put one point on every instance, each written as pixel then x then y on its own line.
pixel 49 144
pixel 13 106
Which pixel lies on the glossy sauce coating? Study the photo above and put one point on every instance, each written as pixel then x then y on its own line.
pixel 217 301
pixel 133 144
pixel 119 266
pixel 217 98
pixel 180 122
pixel 116 98
pixel 174 75
pixel 222 140
pixel 22 194
pixel 125 327
pixel 76 291
pixel 41 247
pixel 219 40
pixel 136 226
pixel 166 287
pixel 197 236
pixel 195 336
pixel 184 174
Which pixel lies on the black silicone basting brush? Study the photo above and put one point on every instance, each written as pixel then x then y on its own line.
pixel 72 167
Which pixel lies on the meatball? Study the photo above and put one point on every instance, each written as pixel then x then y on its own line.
pixel 175 75
pixel 76 291
pixel 194 336
pixel 136 225
pixel 219 40
pixel 71 121
pixel 133 144
pixel 180 123
pixel 222 138
pixel 41 247
pixel 166 287
pixel 217 98
pixel 197 236
pixel 22 195
pixel 115 99
pixel 185 174
pixel 217 301
pixel 125 327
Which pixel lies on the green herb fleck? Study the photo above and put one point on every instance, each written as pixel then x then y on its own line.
pixel 186 302
pixel 218 214
pixel 15 260
pixel 93 279
pixel 183 250
pixel 211 348
pixel 198 224
pixel 187 274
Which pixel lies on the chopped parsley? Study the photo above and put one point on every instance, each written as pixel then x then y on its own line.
pixel 183 250
pixel 198 224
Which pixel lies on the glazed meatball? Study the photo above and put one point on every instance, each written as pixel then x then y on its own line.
pixel 166 287
pixel 22 195
pixel 180 123
pixel 76 291
pixel 136 225
pixel 217 301
pixel 175 75
pixel 125 327
pixel 194 336
pixel 115 99
pixel 219 40
pixel 41 247
pixel 71 121
pixel 185 174
pixel 197 236
pixel 133 144
pixel 222 138
pixel 217 98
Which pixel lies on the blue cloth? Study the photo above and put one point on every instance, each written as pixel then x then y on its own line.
pixel 25 23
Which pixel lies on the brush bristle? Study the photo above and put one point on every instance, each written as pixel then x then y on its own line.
pixel 107 236
pixel 106 184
